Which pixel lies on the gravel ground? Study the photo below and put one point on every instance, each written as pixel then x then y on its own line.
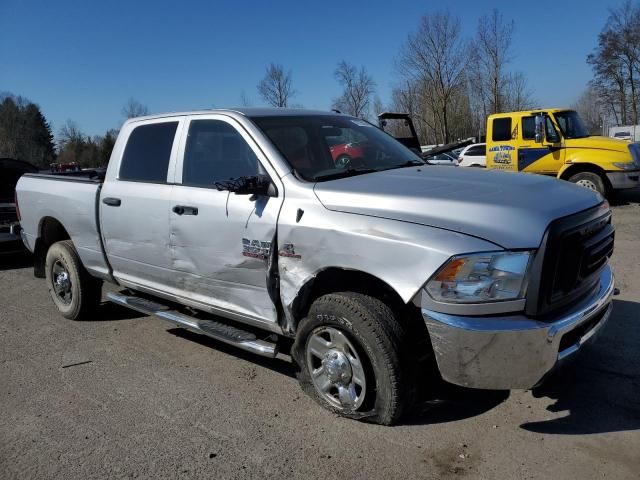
pixel 130 396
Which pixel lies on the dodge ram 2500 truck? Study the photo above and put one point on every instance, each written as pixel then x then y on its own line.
pixel 240 225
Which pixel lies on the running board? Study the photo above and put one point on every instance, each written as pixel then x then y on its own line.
pixel 211 328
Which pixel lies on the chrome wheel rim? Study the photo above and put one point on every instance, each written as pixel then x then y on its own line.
pixel 335 368
pixel 587 184
pixel 61 282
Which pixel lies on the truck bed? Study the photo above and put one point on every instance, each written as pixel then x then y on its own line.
pixel 72 201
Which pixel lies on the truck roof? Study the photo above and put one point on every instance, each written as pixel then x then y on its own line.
pixel 246 111
pixel 529 112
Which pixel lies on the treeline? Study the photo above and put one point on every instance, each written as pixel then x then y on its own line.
pixel 24 132
pixel 449 83
pixel 613 95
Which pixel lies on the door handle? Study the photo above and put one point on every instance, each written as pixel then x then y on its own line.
pixel 112 202
pixel 184 210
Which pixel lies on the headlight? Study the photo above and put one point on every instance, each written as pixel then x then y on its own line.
pixel 480 278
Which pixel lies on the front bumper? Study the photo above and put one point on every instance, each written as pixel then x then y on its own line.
pixel 622 180
pixel 514 352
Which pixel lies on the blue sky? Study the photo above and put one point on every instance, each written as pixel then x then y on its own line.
pixel 82 60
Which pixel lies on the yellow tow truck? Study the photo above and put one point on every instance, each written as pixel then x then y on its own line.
pixel 556 142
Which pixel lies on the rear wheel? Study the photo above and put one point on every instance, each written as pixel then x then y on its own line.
pixel 590 180
pixel 349 358
pixel 72 289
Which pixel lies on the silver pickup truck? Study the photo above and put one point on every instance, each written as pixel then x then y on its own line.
pixel 318 234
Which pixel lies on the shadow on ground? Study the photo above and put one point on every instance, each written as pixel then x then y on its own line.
pixel 625 197
pixel 109 312
pixel 280 365
pixel 14 261
pixel 600 390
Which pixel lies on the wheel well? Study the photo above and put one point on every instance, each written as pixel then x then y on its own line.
pixel 50 231
pixel 585 167
pixel 334 280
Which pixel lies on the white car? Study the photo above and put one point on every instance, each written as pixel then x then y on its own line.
pixel 442 159
pixel 625 135
pixel 474 155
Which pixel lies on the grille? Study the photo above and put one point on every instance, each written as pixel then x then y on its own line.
pixel 576 249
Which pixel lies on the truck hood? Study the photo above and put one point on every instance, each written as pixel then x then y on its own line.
pixel 509 209
pixel 600 143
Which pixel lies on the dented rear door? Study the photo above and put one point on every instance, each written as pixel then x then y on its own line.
pixel 220 242
pixel 135 204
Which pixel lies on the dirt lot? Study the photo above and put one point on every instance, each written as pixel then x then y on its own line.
pixel 129 396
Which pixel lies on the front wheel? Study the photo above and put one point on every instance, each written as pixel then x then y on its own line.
pixel 590 180
pixel 72 289
pixel 349 358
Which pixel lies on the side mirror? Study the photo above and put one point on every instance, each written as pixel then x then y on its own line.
pixel 255 185
pixel 539 128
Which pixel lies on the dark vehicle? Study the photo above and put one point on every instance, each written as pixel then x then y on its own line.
pixel 10 171
pixel 400 126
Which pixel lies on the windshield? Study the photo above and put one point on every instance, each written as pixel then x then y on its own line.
pixel 323 147
pixel 571 124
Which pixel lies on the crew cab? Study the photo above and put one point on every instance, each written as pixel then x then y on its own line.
pixel 240 225
pixel 555 142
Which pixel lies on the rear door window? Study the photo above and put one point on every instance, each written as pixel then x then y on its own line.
pixel 147 154
pixel 215 152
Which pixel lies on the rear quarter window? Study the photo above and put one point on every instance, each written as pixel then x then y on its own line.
pixel 501 129
pixel 147 154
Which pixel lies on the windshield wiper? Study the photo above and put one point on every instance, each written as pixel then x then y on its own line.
pixel 347 172
pixel 408 163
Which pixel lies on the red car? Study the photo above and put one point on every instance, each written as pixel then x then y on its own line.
pixel 342 153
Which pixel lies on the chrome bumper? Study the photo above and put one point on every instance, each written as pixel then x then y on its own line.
pixel 621 180
pixel 514 352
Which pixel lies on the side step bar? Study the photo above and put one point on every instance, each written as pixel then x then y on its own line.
pixel 218 330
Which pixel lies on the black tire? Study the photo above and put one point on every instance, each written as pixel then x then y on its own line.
pixel 590 180
pixel 377 337
pixel 81 296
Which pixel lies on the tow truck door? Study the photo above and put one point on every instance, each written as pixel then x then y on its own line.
pixel 221 241
pixel 545 157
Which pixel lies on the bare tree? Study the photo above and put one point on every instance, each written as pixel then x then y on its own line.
pixel 624 21
pixel 616 63
pixel 134 108
pixel 244 99
pixel 590 108
pixel 70 132
pixel 377 106
pixel 434 58
pixel 517 95
pixel 490 52
pixel 357 89
pixel 276 86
